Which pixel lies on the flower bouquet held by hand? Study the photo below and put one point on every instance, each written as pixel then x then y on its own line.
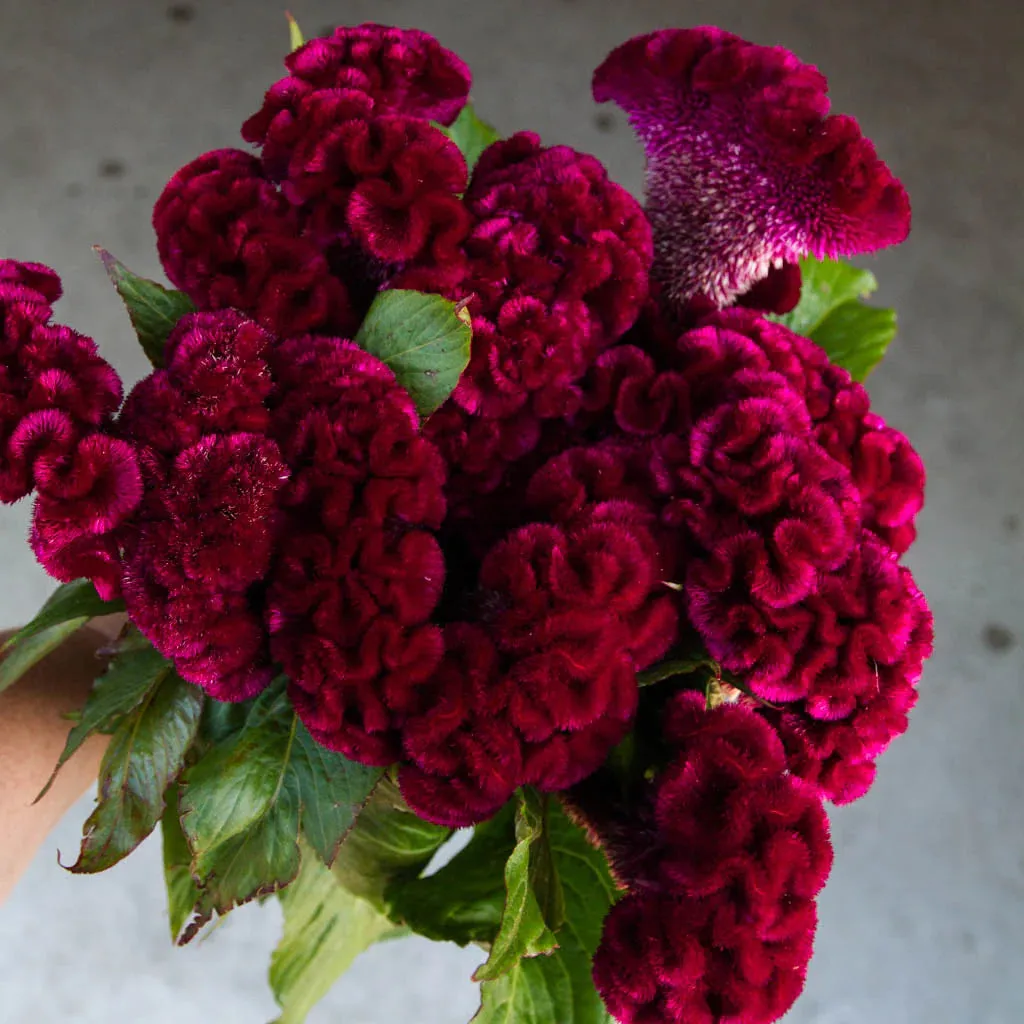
pixel 468 492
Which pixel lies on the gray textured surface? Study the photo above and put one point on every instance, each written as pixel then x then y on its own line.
pixel 924 918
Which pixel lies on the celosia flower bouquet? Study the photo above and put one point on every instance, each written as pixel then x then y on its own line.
pixel 468 492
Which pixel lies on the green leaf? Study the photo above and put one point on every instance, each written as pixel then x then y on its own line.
pixel 242 800
pixel 130 676
pixel 856 336
pixel 223 719
pixel 524 931
pixel 559 987
pixel 295 37
pixel 544 881
pixel 182 892
pixel 470 134
pixel 146 753
pixel 236 785
pixel 325 929
pixel 66 611
pixel 424 339
pixel 153 309
pixel 826 284
pixel 332 790
pixel 68 608
pixel 68 602
pixel 832 314
pixel 389 845
pixel 252 864
pixel 463 901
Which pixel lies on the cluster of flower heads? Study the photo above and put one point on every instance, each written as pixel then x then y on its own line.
pixel 635 459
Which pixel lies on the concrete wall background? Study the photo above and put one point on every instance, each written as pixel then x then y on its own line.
pixel 924 918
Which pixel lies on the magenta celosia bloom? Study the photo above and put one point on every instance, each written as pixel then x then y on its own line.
pixel 786 580
pixel 858 648
pixel 359 572
pixel 556 268
pixel 57 397
pixel 287 495
pixel 229 239
pixel 388 184
pixel 784 494
pixel 724 862
pixel 380 70
pixel 765 508
pixel 746 171
pixel 544 685
pixel 887 472
pixel 348 136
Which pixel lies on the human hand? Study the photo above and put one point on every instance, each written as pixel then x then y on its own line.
pixel 32 734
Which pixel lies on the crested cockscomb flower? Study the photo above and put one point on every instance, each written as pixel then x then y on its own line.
pixel 746 169
pixel 359 573
pixel 389 185
pixel 543 685
pixel 781 488
pixel 372 68
pixel 349 136
pixel 287 520
pixel 844 662
pixel 551 225
pixel 719 923
pixel 887 472
pixel 460 764
pixel 229 239
pixel 764 507
pixel 57 398
pixel 556 270
pixel 864 641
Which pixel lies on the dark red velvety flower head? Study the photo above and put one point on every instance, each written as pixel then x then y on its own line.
pixel 57 399
pixel 388 184
pixel 746 169
pixel 543 685
pixel 720 922
pixel 870 633
pixel 359 571
pixel 371 68
pixel 556 266
pixel 288 517
pixel 888 474
pixel 678 960
pixel 229 239
pixel 550 224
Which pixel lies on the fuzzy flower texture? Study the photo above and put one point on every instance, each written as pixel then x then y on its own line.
pixel 635 458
